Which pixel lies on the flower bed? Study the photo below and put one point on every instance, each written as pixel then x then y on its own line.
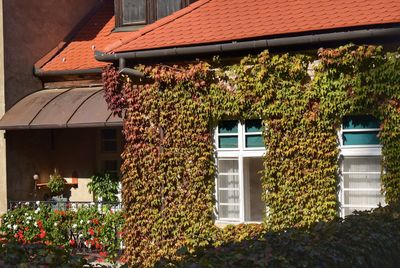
pixel 85 230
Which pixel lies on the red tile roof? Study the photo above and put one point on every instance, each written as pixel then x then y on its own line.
pixel 94 35
pixel 214 21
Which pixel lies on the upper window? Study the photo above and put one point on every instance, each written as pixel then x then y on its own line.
pixel 232 134
pixel 140 12
pixel 360 130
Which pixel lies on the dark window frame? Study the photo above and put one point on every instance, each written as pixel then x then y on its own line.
pixel 151 12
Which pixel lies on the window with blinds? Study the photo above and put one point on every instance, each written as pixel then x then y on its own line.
pixel 361 169
pixel 240 147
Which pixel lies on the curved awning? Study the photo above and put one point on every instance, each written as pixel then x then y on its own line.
pixel 60 108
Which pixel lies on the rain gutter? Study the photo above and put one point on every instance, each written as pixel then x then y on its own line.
pixel 310 39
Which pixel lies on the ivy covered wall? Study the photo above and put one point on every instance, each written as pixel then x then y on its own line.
pixel 168 171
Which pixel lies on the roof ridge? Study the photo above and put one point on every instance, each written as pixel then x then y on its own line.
pixel 156 25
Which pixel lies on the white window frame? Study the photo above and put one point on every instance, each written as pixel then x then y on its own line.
pixel 355 151
pixel 233 154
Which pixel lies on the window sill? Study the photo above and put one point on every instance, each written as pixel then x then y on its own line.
pixel 225 223
pixel 130 28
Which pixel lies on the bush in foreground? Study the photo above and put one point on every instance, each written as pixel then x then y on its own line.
pixel 365 239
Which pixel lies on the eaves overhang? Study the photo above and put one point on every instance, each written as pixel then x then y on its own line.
pixel 309 39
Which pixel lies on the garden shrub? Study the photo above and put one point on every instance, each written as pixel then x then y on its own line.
pixel 365 239
pixel 98 229
pixel 14 254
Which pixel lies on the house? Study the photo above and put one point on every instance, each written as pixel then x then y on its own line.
pixel 59 119
pixel 232 29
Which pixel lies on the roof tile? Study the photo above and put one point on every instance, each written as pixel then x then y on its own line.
pixel 210 21
pixel 232 20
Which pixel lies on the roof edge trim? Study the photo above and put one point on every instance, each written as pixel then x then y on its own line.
pixel 252 44
pixel 42 73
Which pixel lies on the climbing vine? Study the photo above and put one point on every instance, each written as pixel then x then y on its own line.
pixel 168 170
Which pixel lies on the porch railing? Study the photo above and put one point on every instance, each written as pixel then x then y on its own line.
pixel 65 205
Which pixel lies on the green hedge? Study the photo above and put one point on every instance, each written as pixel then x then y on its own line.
pixel 365 239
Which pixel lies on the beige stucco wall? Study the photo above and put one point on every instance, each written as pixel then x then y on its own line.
pixel 71 151
pixel 31 30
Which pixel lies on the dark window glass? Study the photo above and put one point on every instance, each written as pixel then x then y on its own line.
pixel 111 167
pixel 108 140
pixel 167 7
pixel 133 11
pixel 109 134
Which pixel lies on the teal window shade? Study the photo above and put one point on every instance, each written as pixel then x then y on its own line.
pixel 254 141
pixel 228 141
pixel 361 138
pixel 229 126
pixel 358 130
pixel 360 122
pixel 253 126
pixel 225 140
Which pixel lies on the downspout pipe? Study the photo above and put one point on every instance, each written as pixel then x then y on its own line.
pixel 310 39
pixel 128 71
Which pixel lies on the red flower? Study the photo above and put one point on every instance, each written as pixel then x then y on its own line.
pixel 42 234
pixel 95 221
pixel 72 242
pixel 91 231
pixel 103 254
pixel 98 246
pixel 40 224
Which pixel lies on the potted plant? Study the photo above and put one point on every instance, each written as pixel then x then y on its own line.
pixel 56 183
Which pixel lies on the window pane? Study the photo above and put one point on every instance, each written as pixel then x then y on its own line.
pixel 228 166
pixel 253 126
pixel 228 211
pixel 228 142
pixel 230 126
pixel 370 198
pixel 361 138
pixel 362 181
pixel 109 134
pixel 109 146
pixel 254 141
pixel 111 167
pixel 229 196
pixel 254 205
pixel 167 7
pixel 228 181
pixel 134 11
pixel 360 122
pixel 362 164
